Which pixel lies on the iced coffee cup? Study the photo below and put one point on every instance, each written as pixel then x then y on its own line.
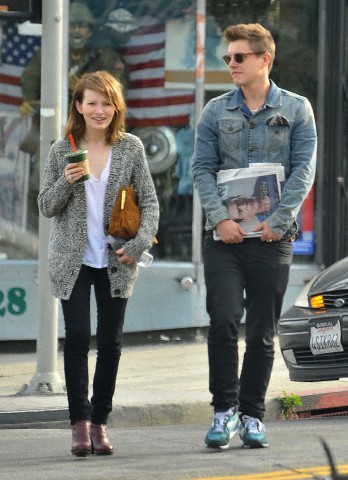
pixel 79 157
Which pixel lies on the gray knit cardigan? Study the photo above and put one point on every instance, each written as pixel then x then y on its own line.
pixel 66 205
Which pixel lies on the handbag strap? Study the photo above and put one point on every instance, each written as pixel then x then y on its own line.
pixel 123 198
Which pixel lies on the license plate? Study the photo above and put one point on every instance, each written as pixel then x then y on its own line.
pixel 325 337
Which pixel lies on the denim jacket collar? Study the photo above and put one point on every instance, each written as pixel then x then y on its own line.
pixel 273 99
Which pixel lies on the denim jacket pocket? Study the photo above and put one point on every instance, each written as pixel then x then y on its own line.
pixel 230 134
pixel 277 142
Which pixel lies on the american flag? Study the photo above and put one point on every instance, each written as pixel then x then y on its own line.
pixel 16 51
pixel 149 103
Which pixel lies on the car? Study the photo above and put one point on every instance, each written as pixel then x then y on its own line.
pixel 313 333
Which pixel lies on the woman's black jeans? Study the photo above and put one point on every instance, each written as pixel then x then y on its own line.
pixel 250 276
pixel 110 319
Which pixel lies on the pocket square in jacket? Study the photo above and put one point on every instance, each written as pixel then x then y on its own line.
pixel 277 119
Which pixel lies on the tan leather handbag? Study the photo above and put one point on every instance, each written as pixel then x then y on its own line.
pixel 125 215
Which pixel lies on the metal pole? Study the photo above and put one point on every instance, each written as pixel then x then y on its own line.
pixel 65 65
pixel 199 104
pixel 197 216
pixel 319 256
pixel 46 379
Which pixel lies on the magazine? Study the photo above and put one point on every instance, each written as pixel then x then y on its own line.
pixel 251 194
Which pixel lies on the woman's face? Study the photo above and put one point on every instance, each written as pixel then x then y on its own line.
pixel 96 110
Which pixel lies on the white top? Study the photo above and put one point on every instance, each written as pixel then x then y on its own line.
pixel 96 249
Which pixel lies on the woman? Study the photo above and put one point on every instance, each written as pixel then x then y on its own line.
pixel 78 253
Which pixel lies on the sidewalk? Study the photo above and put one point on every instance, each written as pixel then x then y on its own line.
pixel 158 384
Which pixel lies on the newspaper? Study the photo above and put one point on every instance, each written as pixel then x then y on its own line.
pixel 251 194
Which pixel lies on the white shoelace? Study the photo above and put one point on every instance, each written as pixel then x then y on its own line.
pixel 253 425
pixel 220 419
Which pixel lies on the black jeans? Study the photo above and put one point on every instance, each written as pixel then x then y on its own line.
pixel 250 276
pixel 110 320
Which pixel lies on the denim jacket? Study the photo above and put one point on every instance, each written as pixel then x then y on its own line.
pixel 229 136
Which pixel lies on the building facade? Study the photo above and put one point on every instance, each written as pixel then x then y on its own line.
pixel 159 72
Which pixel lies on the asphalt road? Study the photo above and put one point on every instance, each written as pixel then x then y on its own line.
pixel 177 453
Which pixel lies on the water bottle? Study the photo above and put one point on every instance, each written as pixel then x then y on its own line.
pixel 145 259
pixel 116 243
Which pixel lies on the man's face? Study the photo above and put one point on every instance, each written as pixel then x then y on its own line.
pixel 78 34
pixel 242 212
pixel 252 66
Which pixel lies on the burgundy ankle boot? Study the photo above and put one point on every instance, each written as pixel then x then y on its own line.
pixel 81 438
pixel 100 443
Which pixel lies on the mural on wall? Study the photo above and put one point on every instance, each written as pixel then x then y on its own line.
pixel 16 51
pixel 160 92
pixel 181 55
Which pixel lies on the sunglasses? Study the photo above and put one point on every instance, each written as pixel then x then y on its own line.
pixel 238 57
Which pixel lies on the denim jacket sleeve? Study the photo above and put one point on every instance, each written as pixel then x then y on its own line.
pixel 299 167
pixel 222 119
pixel 205 165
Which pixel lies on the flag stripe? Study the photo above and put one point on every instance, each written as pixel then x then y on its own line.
pixel 136 61
pixel 161 102
pixel 148 110
pixel 146 83
pixel 157 93
pixel 143 49
pixel 148 73
pixel 151 27
pixel 152 64
pixel 10 79
pixel 149 102
pixel 173 121
pixel 166 111
pixel 10 100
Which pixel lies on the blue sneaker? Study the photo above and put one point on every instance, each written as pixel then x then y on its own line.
pixel 252 433
pixel 224 427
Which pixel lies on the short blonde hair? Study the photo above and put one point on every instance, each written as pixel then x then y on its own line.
pixel 260 39
pixel 104 83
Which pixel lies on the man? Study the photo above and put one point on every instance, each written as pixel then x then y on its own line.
pixel 255 122
pixel 84 56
